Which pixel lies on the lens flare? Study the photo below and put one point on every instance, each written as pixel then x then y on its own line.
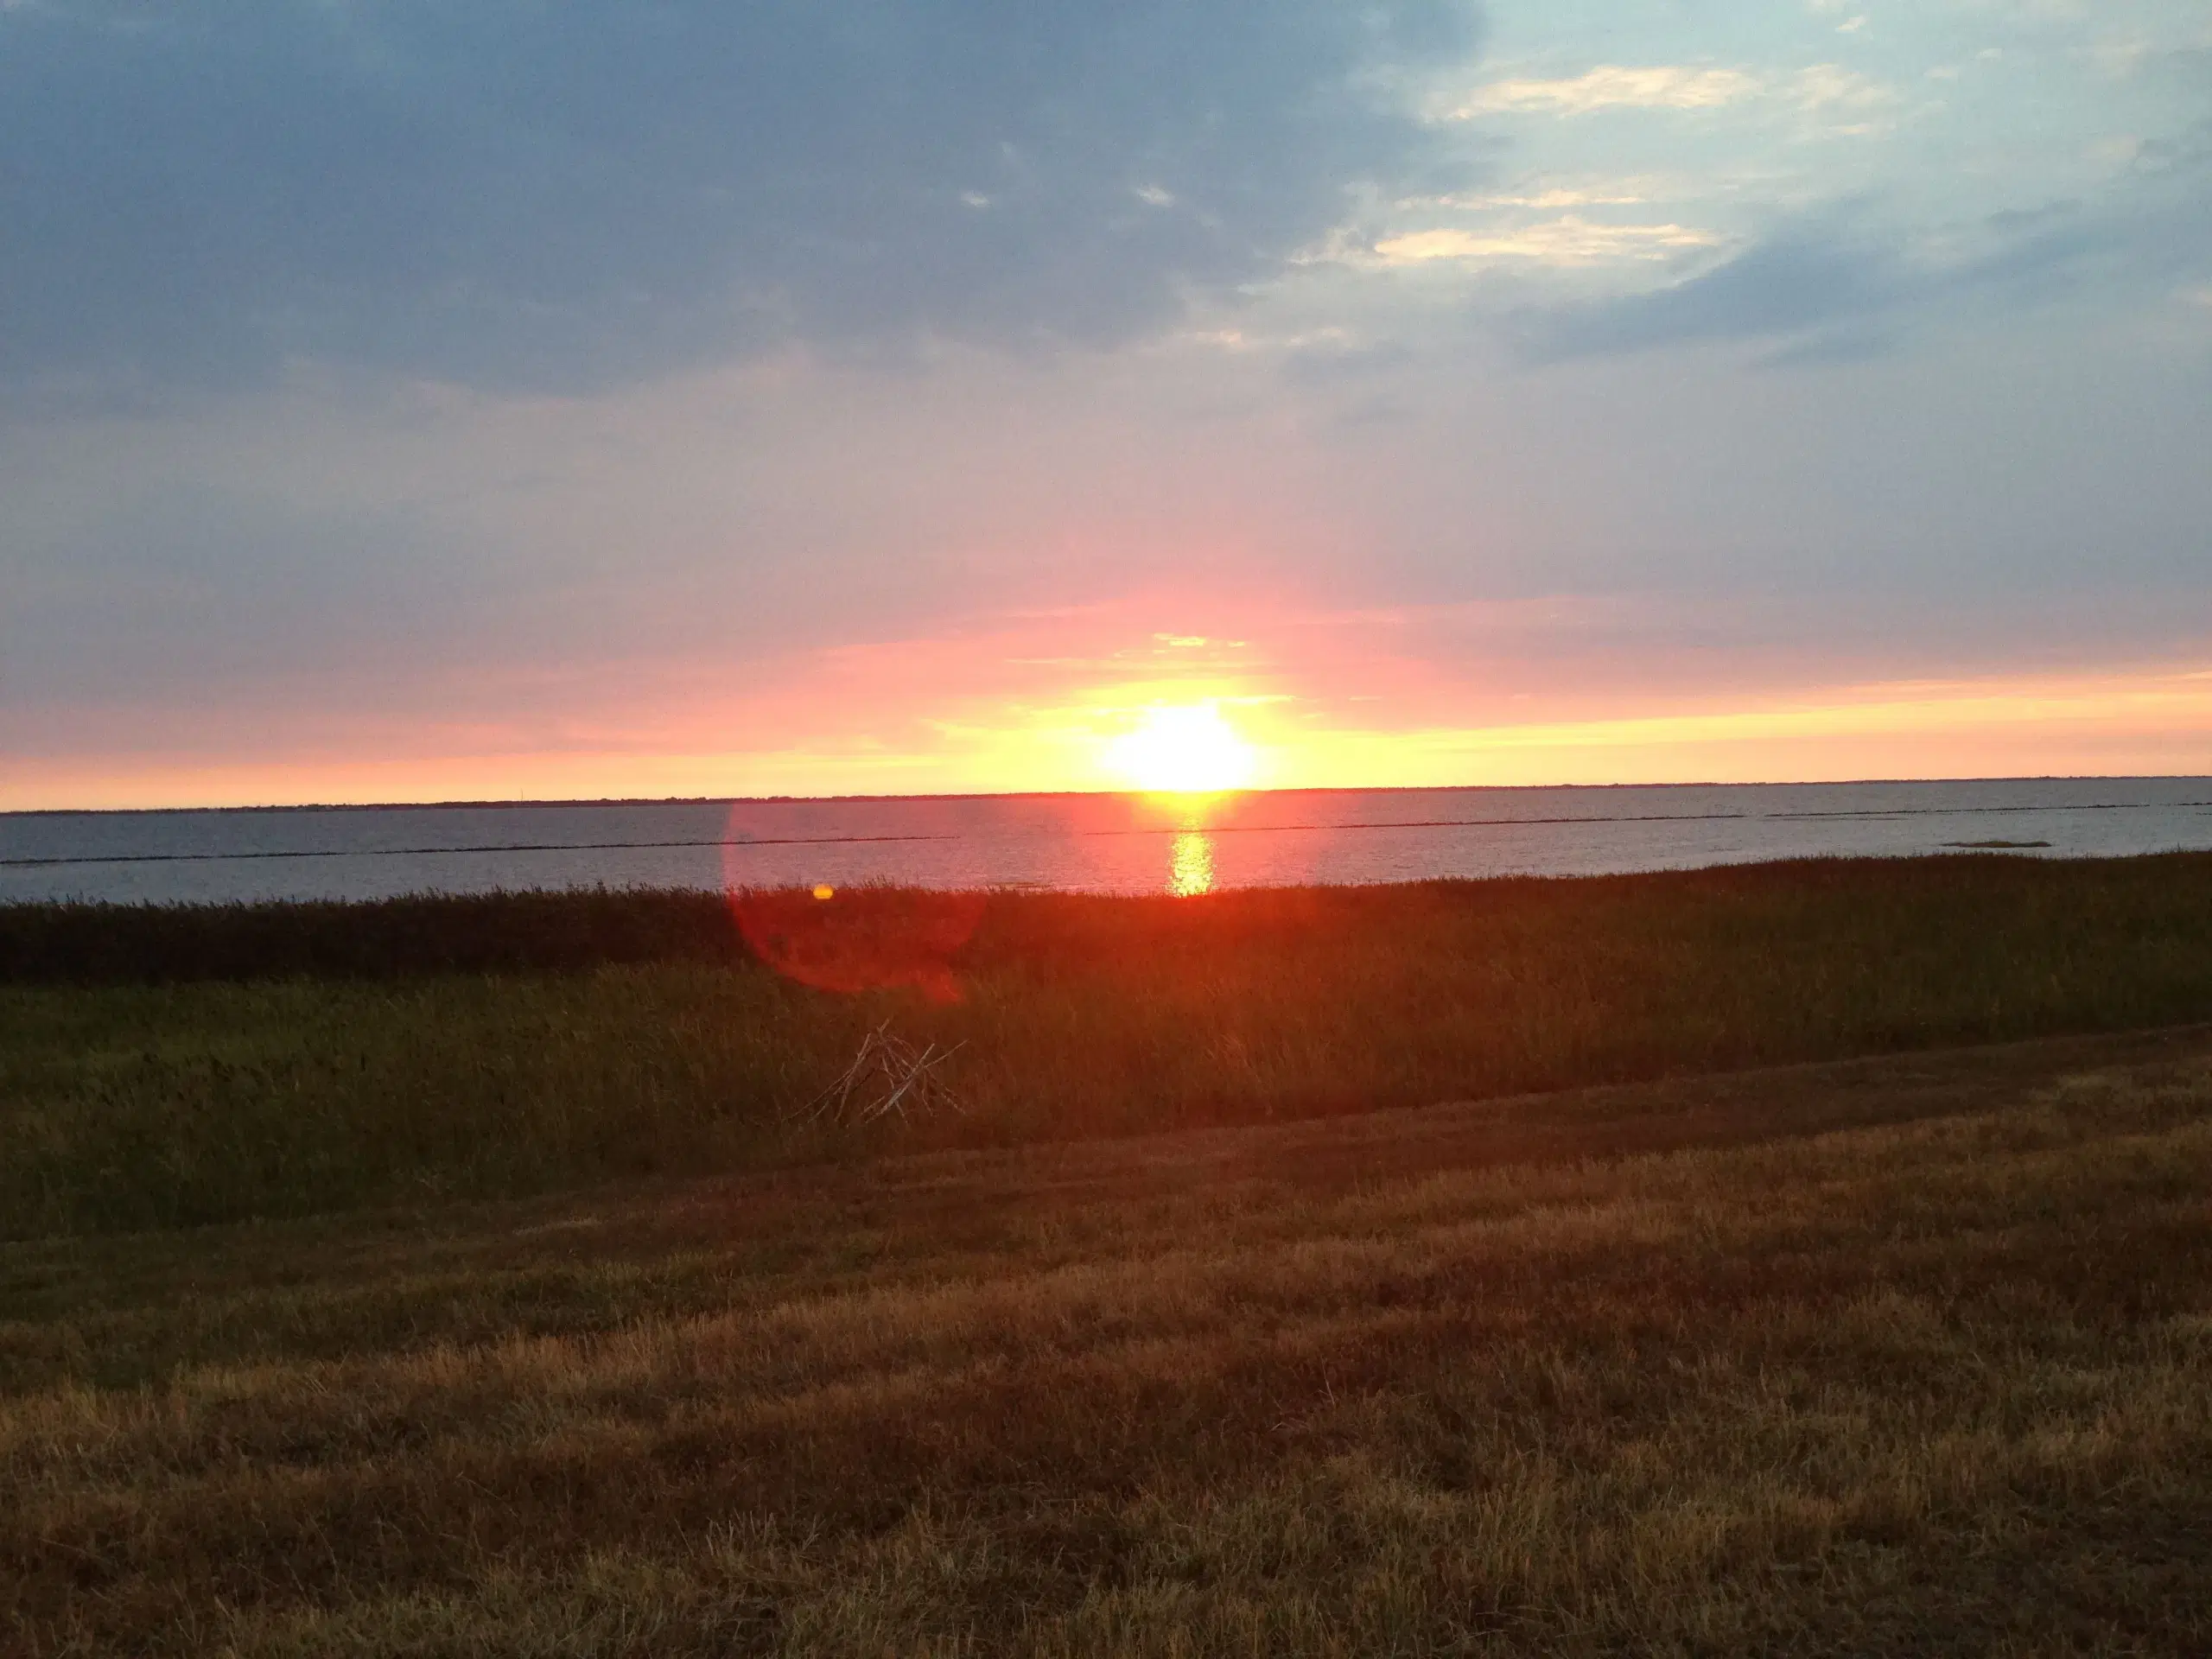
pixel 851 940
pixel 871 940
pixel 1182 750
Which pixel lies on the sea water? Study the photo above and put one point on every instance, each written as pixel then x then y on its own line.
pixel 1099 844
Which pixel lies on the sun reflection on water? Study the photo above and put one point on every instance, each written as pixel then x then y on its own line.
pixel 1189 865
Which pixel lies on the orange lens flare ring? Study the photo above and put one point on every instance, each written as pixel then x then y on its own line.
pixel 853 939
pixel 869 939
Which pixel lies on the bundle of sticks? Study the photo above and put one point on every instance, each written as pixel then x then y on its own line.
pixel 889 1078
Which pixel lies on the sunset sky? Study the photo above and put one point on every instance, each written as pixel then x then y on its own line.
pixel 407 400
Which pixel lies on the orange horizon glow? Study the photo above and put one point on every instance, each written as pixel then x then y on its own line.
pixel 1169 734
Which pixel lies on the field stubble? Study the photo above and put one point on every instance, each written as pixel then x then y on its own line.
pixel 1899 1355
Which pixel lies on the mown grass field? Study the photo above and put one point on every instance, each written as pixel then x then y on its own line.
pixel 175 1067
pixel 1909 1356
pixel 449 1276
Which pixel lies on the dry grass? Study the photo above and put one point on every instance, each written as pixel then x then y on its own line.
pixel 1899 1355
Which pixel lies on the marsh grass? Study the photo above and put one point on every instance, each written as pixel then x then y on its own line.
pixel 167 1067
pixel 1905 1356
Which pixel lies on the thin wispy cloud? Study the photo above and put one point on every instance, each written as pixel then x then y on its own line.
pixel 1612 87
pixel 1821 88
pixel 1569 240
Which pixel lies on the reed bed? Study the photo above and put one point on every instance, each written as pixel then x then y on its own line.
pixel 172 1066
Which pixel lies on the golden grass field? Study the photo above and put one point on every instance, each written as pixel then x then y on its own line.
pixel 1907 1355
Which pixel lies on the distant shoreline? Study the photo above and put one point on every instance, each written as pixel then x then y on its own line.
pixel 1079 794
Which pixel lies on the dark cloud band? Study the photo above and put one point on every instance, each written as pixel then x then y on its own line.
pixel 519 193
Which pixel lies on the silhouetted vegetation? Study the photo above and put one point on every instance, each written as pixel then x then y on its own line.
pixel 287 1059
pixel 503 933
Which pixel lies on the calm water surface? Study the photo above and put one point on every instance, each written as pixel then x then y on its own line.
pixel 1101 843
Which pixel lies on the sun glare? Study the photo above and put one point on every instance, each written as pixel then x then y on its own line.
pixel 1188 750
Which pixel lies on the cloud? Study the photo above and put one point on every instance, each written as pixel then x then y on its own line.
pixel 1788 285
pixel 512 195
pixel 1818 89
pixel 1828 87
pixel 1569 240
pixel 1611 86
pixel 1618 196
pixel 1830 289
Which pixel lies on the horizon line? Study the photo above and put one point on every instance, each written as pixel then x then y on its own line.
pixel 512 803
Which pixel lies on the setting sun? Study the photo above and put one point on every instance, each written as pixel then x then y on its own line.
pixel 1188 750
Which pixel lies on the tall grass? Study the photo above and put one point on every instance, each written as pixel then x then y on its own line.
pixel 280 1060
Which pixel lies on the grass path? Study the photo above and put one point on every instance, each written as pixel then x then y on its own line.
pixel 1910 1355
